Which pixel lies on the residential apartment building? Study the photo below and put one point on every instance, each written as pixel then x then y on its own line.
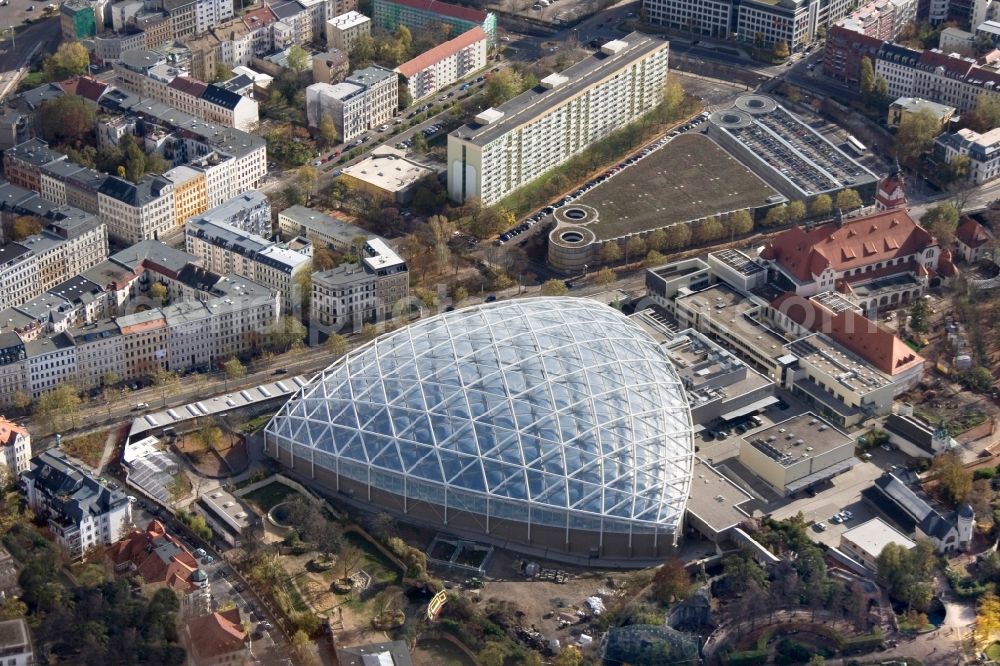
pixel 323 230
pixel 146 74
pixel 137 211
pixel 226 249
pixel 81 512
pixel 99 349
pixel 66 183
pixel 51 363
pixel 77 20
pixel 445 64
pixel 509 146
pixel 109 47
pixel 982 149
pixel 236 42
pixel 157 29
pixel 367 98
pixel 249 212
pixel 344 31
pixel 72 241
pixel 16 446
pixel 354 294
pixel 260 24
pixel 210 13
pixel 905 106
pixel 296 19
pixel 206 54
pixel 183 17
pixel 22 164
pixel 422 14
pixel 190 192
pixel 946 79
pixel 331 66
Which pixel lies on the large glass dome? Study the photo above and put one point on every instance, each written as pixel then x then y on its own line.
pixel 553 411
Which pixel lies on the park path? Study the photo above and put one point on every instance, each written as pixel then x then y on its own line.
pixel 109 449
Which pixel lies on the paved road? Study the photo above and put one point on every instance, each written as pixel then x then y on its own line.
pixel 18 51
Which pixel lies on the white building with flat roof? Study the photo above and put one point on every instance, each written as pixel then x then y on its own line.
pixel 15 643
pixel 387 173
pixel 797 453
pixel 867 541
pixel 227 515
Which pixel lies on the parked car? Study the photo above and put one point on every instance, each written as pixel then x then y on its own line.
pixel 491 298
pixel 142 405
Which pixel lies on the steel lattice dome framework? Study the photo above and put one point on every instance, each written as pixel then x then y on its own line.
pixel 556 423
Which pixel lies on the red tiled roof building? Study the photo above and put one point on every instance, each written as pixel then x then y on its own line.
pixel 161 559
pixel 880 261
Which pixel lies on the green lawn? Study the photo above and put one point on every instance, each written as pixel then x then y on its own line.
pixel 374 563
pixel 256 423
pixel 671 185
pixel 267 496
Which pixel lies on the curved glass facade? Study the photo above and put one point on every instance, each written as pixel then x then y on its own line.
pixel 550 411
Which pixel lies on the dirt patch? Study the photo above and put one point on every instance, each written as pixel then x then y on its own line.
pixel 229 457
pixel 536 599
pixel 87 448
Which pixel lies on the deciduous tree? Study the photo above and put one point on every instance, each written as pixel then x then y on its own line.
pixel 941 221
pixel 915 135
pixel 611 252
pixel 954 481
pixel 327 131
pixel 821 206
pixel 848 200
pixel 336 345
pixel 776 216
pixel 554 287
pixel 795 211
pixel 70 59
pixel 604 276
pixel 65 120
pixel 234 369
pixel 298 58
pixel 867 80
pixel 671 581
pixel 503 85
pixel 678 236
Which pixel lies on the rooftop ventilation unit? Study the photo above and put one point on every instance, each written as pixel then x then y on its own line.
pixel 613 47
pixel 489 116
pixel 553 81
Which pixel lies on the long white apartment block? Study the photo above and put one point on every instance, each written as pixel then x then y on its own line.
pixel 511 145
pixel 445 64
